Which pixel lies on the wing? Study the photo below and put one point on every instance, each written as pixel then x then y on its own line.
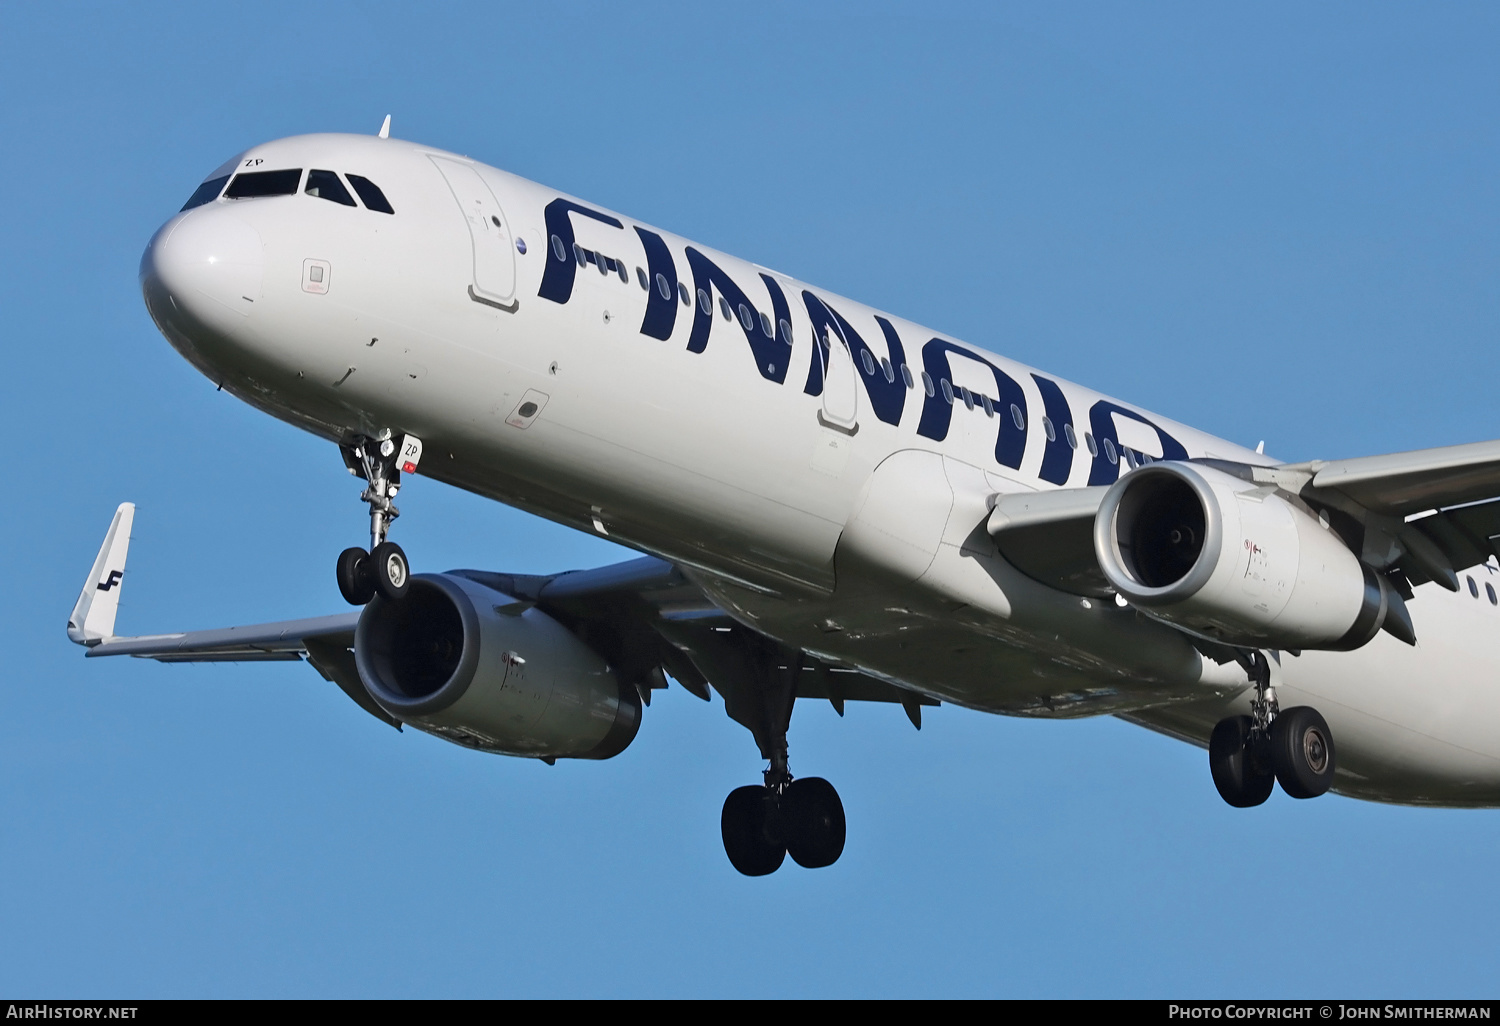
pixel 1404 483
pixel 644 616
pixel 1419 516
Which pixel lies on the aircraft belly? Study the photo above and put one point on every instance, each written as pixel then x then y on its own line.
pixel 1052 662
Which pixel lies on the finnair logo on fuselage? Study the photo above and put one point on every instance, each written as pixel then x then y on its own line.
pixel 886 379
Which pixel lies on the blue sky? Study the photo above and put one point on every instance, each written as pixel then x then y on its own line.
pixel 1273 222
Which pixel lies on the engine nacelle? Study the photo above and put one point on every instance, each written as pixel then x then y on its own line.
pixel 447 660
pixel 1234 561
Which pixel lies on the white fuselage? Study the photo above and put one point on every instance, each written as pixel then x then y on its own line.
pixel 559 357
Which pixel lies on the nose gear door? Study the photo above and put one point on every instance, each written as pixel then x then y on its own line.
pixel 489 231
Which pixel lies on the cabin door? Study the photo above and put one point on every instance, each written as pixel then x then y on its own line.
pixel 489 232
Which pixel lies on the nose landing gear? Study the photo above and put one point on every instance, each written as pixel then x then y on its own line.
pixel 384 569
pixel 1248 755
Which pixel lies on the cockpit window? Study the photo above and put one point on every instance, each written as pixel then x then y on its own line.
pixel 326 185
pixel 205 193
pixel 264 183
pixel 371 194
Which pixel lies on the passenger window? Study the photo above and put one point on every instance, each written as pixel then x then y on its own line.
pixel 906 376
pixel 746 318
pixel 254 184
pixel 205 193
pixel 1109 452
pixel 705 302
pixel 326 185
pixel 1129 454
pixel 887 370
pixel 682 291
pixel 989 407
pixel 724 309
pixel 1489 589
pixel 1473 588
pixel 786 332
pixel 661 286
pixel 557 248
pixel 1071 436
pixel 1048 429
pixel 1093 446
pixel 868 360
pixel 927 385
pixel 370 193
pixel 947 391
pixel 640 279
pixel 1015 416
pixel 765 326
pixel 620 269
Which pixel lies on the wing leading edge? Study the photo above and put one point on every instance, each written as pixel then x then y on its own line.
pixel 643 615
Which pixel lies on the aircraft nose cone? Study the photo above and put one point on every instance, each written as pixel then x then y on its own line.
pixel 210 264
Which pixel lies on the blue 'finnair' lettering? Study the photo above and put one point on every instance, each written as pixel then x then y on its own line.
pixel 557 277
pixel 1057 460
pixel 1102 421
pixel 772 352
pixel 661 287
pixel 886 392
pixel 770 343
pixel 937 411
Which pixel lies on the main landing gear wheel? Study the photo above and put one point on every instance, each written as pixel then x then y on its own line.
pixel 751 823
pixel 814 822
pixel 1239 770
pixel 762 825
pixel 1302 752
pixel 355 581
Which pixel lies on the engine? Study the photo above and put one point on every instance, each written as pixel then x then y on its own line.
pixel 471 665
pixel 1235 562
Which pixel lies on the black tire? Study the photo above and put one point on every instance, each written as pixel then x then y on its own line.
pixel 390 570
pixel 1241 780
pixel 814 822
pixel 751 825
pixel 1302 749
pixel 355 583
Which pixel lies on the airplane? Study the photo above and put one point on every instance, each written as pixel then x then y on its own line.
pixel 830 502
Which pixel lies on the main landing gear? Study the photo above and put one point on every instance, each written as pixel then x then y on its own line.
pixel 384 568
pixel 764 823
pixel 1248 755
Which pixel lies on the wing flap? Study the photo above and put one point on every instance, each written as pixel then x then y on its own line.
pixel 1465 536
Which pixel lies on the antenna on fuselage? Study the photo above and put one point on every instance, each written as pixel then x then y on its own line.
pixel 385 128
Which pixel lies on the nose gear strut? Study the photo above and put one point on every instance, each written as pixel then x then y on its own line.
pixel 384 569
